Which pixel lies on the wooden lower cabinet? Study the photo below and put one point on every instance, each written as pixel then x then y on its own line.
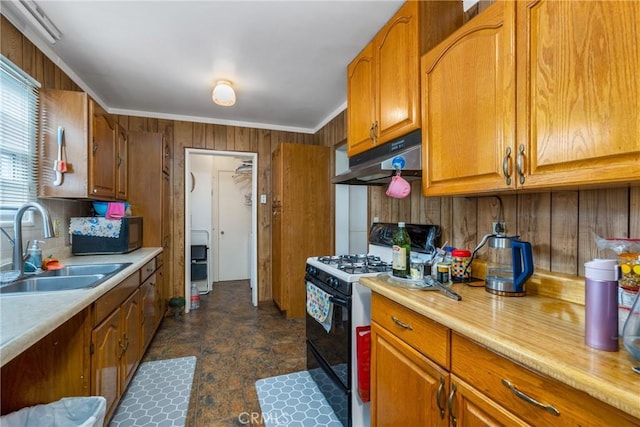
pixel 115 351
pixel 149 309
pixel 468 407
pixel 422 376
pixel 510 392
pixel 407 388
pixel 57 366
pixel 409 360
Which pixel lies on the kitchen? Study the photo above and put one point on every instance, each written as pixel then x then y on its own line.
pixel 560 223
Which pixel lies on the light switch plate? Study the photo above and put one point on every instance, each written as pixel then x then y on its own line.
pixel 263 199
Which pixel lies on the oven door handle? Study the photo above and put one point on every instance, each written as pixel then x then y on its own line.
pixel 339 301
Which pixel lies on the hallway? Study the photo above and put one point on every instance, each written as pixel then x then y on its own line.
pixel 235 345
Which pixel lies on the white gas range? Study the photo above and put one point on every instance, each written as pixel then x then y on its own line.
pixel 331 355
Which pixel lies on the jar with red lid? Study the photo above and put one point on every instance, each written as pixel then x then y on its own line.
pixel 460 268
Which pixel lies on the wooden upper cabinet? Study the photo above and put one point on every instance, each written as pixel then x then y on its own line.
pixel 553 99
pixel 397 71
pixel 579 105
pixel 360 99
pixel 122 172
pixel 102 153
pixel 383 81
pixel 468 95
pixel 88 146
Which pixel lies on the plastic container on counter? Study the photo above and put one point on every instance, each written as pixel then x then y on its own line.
pixel 460 268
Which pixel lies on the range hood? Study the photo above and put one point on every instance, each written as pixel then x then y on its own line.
pixel 377 166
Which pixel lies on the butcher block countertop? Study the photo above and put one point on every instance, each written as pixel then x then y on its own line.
pixel 26 318
pixel 543 333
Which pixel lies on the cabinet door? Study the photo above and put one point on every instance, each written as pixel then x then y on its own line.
pixel 161 296
pixel 470 408
pixel 57 366
pixel 360 102
pixel 130 339
pixel 148 296
pixel 105 360
pixel 407 389
pixel 397 75
pixel 579 95
pixel 102 153
pixel 122 172
pixel 69 110
pixel 469 117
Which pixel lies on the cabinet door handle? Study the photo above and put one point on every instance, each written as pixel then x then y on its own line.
pixel 95 147
pixel 505 166
pixel 371 136
pixel 549 408
pixel 452 394
pixel 439 398
pixel 401 323
pixel 375 132
pixel 520 163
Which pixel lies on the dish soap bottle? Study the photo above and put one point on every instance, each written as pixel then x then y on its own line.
pixel 34 258
pixel 401 252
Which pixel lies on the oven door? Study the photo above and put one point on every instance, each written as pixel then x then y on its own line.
pixel 328 354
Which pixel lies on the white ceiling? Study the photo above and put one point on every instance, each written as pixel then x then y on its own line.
pixel 287 59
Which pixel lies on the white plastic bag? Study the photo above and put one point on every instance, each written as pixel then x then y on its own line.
pixel 66 412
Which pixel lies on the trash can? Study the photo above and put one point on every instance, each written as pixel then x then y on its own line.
pixel 66 412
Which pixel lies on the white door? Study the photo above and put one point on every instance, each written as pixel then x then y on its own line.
pixel 234 228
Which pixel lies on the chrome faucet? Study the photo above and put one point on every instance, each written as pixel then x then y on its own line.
pixel 18 257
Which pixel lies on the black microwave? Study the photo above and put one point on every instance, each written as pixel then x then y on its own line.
pixel 93 236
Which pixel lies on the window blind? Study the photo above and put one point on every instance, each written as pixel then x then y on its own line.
pixel 18 133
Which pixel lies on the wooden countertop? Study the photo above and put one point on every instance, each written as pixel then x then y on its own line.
pixel 539 332
pixel 27 318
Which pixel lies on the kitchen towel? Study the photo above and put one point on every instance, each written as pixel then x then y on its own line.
pixel 115 210
pixel 95 226
pixel 319 306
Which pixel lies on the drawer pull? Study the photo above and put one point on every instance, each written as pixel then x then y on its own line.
pixel 549 408
pixel 439 398
pixel 452 394
pixel 401 323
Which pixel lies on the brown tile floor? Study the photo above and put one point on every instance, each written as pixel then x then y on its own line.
pixel 235 345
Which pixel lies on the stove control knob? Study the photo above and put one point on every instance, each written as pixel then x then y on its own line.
pixel 312 270
pixel 333 282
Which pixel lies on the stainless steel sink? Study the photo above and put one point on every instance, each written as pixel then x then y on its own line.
pixel 53 283
pixel 84 269
pixel 71 277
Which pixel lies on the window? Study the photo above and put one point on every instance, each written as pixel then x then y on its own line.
pixel 18 133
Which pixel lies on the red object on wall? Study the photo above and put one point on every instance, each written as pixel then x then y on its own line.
pixel 363 348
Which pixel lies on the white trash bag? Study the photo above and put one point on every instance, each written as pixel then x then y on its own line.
pixel 66 412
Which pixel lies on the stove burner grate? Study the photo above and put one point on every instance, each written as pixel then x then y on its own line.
pixel 356 264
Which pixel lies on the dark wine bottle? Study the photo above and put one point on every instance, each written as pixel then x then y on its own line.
pixel 401 252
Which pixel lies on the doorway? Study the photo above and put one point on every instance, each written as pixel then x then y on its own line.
pixel 220 188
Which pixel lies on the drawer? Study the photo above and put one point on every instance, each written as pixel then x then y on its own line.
pixel 147 270
pixel 487 371
pixel 428 337
pixel 115 297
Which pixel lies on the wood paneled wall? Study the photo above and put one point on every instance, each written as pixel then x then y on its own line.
pixel 561 226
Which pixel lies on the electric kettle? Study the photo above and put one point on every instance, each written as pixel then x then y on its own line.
pixel 509 265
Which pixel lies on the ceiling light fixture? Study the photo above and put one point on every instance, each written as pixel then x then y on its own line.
pixel 38 19
pixel 223 94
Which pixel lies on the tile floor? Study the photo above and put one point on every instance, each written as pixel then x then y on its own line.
pixel 235 344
